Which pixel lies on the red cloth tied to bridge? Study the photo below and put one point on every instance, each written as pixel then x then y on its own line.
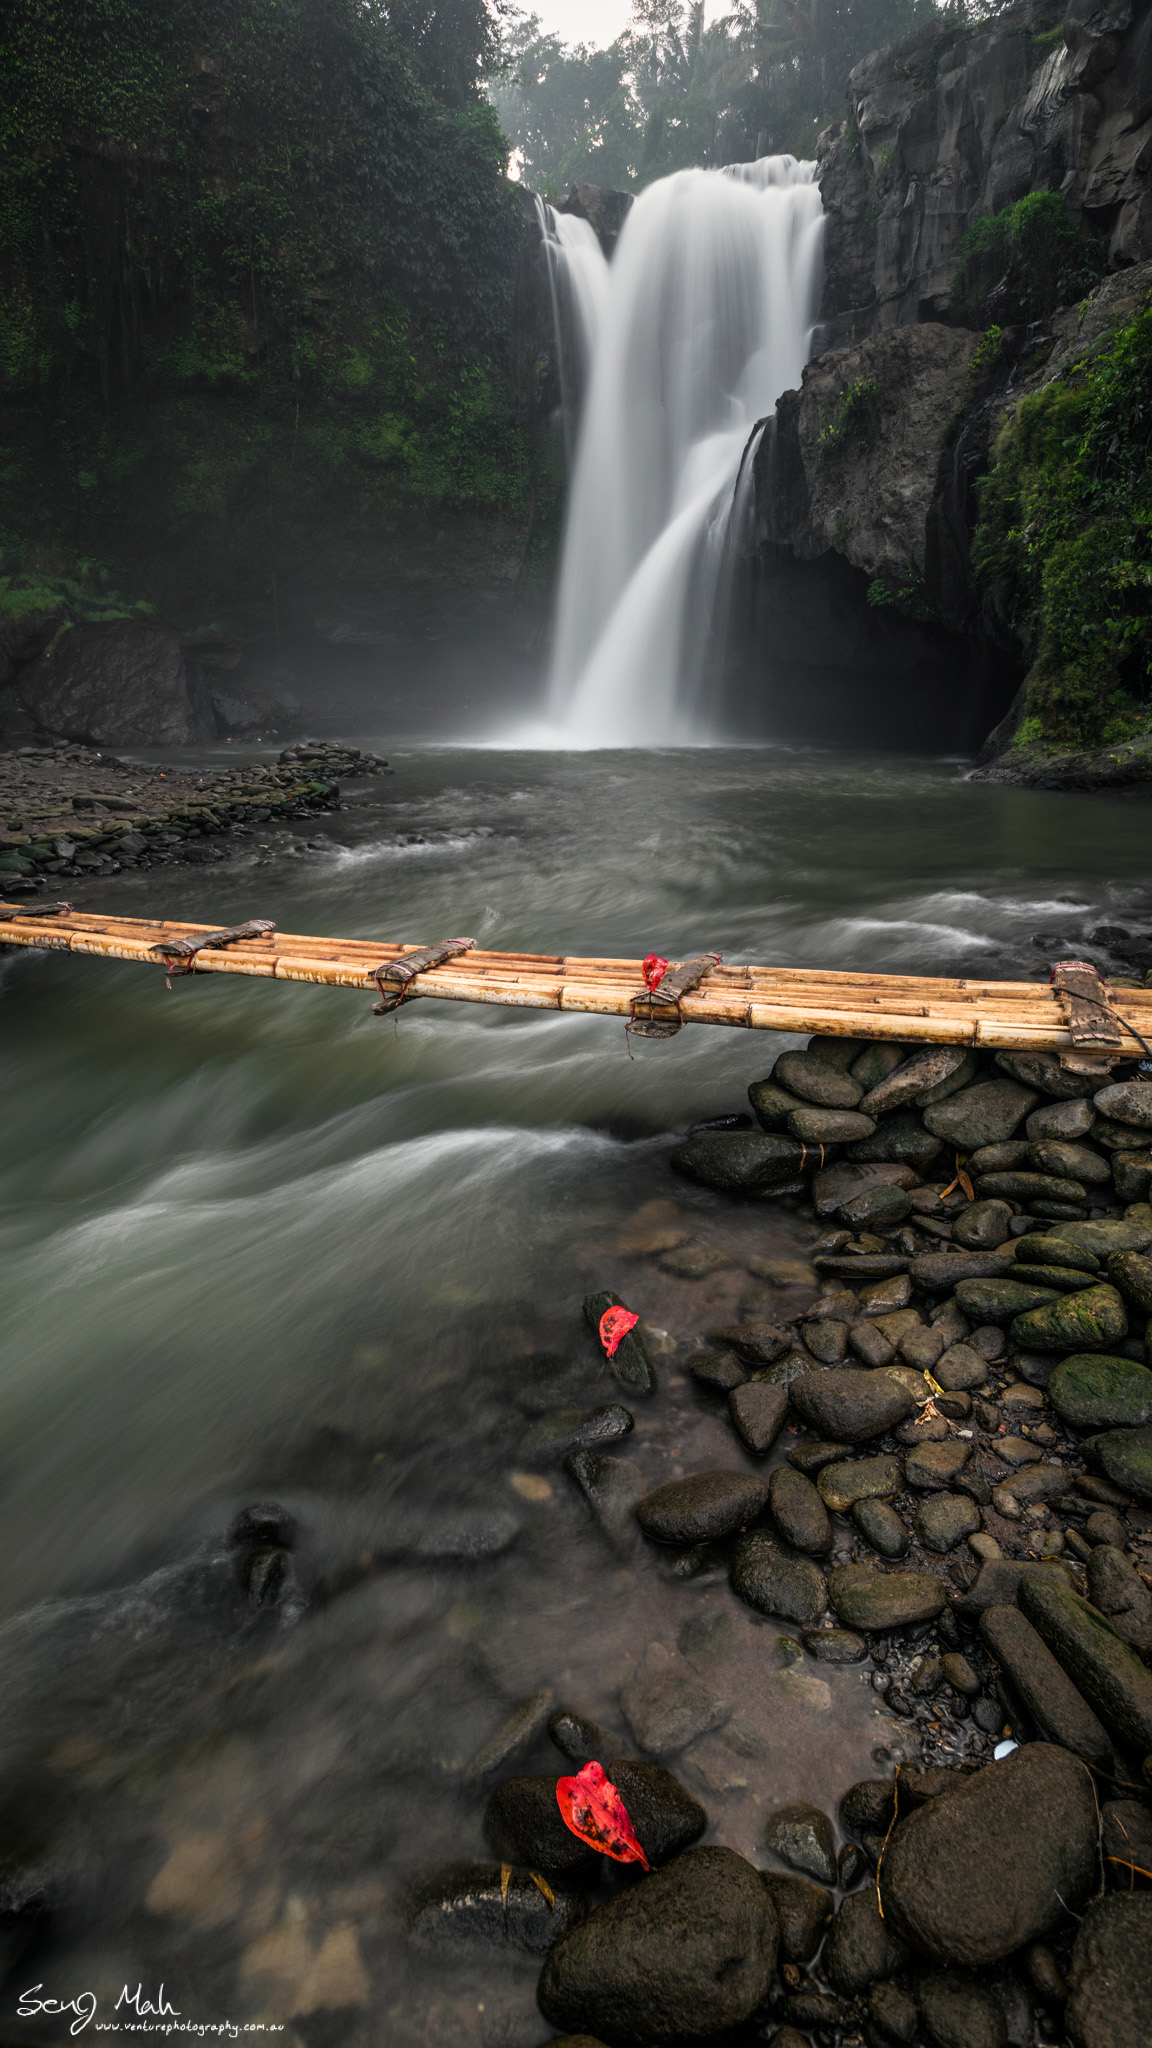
pixel 653 968
pixel 591 1807
pixel 615 1324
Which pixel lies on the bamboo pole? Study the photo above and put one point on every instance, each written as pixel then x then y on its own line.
pixel 916 1009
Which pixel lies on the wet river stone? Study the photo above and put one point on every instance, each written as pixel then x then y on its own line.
pixel 940 1272
pixel 1127 1102
pixel 1117 1589
pixel 999 1301
pixel 934 1466
pixel 684 1954
pixel 663 1812
pixel 1131 1272
pixel 721 1370
pixel 882 1527
pixel 799 1512
pixel 1094 1391
pixel 898 1139
pixel 983 1226
pixel 757 1343
pixel 523 1824
pixel 985 1114
pixel 829 1126
pixel 972 1876
pixel 669 1710
pixel 1070 1162
pixel 801 1835
pixel 861 1947
pixel 1126 1456
pixel 959 1369
pixel 876 1209
pixel 851 1403
pixel 462 1908
pixel 574 1429
pixel 960 2014
pixel 1043 1249
pixel 611 1487
pixel 1066 1120
pixel 1108 2004
pixel 815 1081
pixel 703 1508
pixel 771 1105
pixel 767 1574
pixel 859 1479
pixel 1090 1320
pixel 741 1162
pixel 803 1911
pixel 1102 1666
pixel 1059 1710
pixel 1031 1188
pixel 836 1184
pixel 870 1599
pixel 758 1412
pixel 924 1070
pixel 944 1520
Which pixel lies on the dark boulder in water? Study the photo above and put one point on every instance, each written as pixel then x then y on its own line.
pixel 680 1957
pixel 463 1907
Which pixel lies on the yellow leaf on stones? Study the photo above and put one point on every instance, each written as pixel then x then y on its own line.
pixel 543 1886
pixel 505 1881
pixel 530 1486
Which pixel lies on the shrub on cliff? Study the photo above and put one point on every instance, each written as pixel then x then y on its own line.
pixel 1024 261
pixel 1064 544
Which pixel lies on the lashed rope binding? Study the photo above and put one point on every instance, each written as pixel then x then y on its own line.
pixel 402 972
pixel 179 955
pixel 1087 1003
pixel 9 912
pixel 664 987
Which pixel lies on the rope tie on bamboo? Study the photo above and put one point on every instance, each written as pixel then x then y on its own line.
pixel 402 972
pixel 664 986
pixel 10 912
pixel 179 955
pixel 1082 989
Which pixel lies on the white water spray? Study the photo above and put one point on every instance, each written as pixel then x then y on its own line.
pixel 707 317
pixel 578 283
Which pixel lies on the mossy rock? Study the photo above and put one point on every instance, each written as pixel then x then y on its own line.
pixel 1089 1320
pixel 1093 1390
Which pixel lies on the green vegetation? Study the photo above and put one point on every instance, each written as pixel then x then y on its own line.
pixel 674 90
pixel 257 273
pixel 855 415
pixel 987 356
pixel 911 600
pixel 1064 544
pixel 1034 252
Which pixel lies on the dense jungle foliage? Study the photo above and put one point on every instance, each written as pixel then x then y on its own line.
pixel 1064 545
pixel 676 90
pixel 257 265
pixel 1032 257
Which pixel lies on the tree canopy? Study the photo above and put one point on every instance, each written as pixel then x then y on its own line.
pixel 676 90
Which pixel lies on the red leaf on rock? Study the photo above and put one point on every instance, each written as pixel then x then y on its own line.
pixel 615 1324
pixel 592 1808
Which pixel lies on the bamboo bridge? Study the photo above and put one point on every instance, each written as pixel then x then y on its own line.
pixel 1077 1011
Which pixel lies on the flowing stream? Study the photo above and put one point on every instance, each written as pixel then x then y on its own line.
pixel 703 319
pixel 260 1246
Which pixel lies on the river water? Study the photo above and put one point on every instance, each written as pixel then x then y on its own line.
pixel 260 1245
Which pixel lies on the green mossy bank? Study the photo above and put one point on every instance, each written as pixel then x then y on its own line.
pixel 258 275
pixel 1062 555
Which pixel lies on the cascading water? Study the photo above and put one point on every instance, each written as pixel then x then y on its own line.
pixel 706 318
pixel 578 283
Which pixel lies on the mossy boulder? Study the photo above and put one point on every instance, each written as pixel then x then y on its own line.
pixel 1093 1390
pixel 1089 1320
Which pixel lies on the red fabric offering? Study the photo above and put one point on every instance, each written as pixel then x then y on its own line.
pixel 592 1808
pixel 615 1324
pixel 653 968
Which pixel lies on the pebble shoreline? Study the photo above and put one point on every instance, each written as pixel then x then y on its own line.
pixel 68 811
pixel 959 1374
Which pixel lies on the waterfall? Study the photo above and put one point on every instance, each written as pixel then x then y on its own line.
pixel 578 283
pixel 705 318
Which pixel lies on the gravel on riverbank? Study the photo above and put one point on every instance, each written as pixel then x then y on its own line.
pixel 68 811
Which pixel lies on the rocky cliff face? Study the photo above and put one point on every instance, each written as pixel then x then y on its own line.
pixel 956 123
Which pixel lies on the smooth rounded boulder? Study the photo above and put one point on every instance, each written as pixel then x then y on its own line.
pixel 703 1508
pixel 850 1403
pixel 1093 1390
pixel 1109 2004
pixel 972 1876
pixel 681 1956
